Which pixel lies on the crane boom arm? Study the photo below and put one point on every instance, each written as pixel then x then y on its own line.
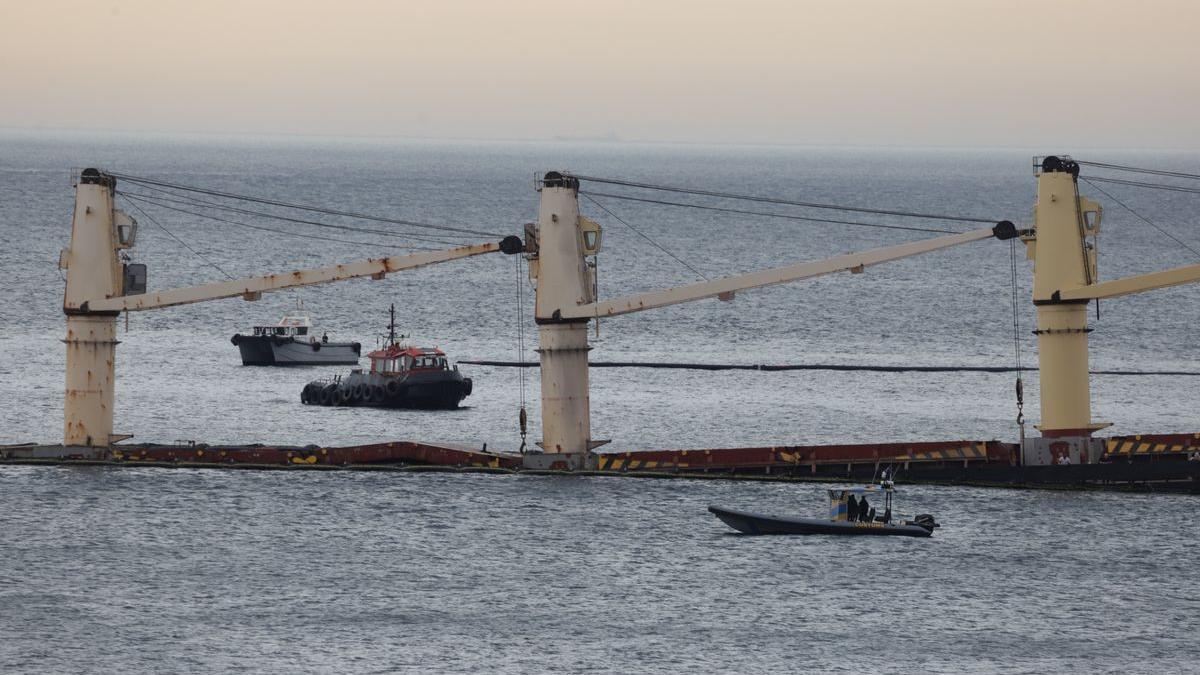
pixel 252 287
pixel 854 262
pixel 1130 285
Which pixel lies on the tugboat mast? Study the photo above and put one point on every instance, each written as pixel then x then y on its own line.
pixel 392 325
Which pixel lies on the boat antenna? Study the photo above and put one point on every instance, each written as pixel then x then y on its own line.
pixel 392 326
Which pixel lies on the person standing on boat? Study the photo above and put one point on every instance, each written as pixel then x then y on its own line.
pixel 864 510
pixel 851 508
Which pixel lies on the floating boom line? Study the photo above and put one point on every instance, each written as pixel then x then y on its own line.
pixel 817 366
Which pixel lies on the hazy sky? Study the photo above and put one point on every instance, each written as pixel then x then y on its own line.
pixel 1052 73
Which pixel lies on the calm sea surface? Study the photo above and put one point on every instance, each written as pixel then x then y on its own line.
pixel 172 570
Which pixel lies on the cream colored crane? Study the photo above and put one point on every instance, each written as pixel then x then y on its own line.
pixel 96 294
pixel 1065 280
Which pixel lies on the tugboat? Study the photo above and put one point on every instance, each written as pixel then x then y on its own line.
pixel 849 513
pixel 294 342
pixel 401 376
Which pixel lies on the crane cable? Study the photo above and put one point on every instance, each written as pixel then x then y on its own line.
pixel 1136 169
pixel 784 202
pixel 162 202
pixel 135 196
pixel 303 207
pixel 766 214
pixel 196 202
pixel 522 417
pixel 674 257
pixel 1016 320
pixel 1143 184
pixel 173 236
pixel 1144 219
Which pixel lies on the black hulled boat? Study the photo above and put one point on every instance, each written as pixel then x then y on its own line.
pixel 847 515
pixel 400 376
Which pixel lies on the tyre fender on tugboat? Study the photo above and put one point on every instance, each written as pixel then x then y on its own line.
pixel 392 388
pixel 327 394
pixel 467 386
pixel 237 338
pixel 316 346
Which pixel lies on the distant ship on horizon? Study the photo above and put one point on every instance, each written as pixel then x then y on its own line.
pixel 609 137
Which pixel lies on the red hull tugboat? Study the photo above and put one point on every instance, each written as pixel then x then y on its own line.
pixel 401 376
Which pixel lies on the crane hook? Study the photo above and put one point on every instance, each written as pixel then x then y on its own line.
pixel 523 419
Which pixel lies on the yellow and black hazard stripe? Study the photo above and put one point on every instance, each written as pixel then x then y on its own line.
pixel 624 462
pixel 969 451
pixel 1136 446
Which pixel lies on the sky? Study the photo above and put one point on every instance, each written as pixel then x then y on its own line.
pixel 1010 73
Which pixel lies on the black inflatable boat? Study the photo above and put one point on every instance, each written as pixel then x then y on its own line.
pixel 849 513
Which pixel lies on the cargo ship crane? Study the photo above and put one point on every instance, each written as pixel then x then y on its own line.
pixel 1061 246
pixel 566 300
pixel 100 286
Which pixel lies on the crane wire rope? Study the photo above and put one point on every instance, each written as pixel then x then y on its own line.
pixel 784 202
pixel 644 236
pixel 287 233
pixel 181 242
pixel 303 207
pixel 767 214
pixel 1140 216
pixel 158 201
pixel 194 201
pixel 1016 322
pixel 1135 169
pixel 522 416
pixel 1143 184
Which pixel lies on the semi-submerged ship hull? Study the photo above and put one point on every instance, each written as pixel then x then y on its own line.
pixel 273 351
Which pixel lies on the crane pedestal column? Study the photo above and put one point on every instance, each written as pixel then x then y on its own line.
pixel 94 272
pixel 1065 401
pixel 566 417
pixel 563 282
pixel 1062 336
pixel 88 404
pixel 1063 259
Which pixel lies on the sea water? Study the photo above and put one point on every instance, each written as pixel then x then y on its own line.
pixel 160 570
